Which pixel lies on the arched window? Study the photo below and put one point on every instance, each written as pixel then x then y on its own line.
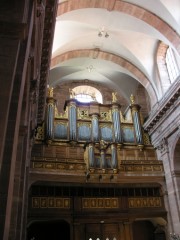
pixel 86 94
pixel 172 65
pixel 84 97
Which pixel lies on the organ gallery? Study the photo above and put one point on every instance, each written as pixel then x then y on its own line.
pixel 94 168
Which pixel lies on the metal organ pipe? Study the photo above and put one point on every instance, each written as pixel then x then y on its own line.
pixel 116 123
pixel 72 122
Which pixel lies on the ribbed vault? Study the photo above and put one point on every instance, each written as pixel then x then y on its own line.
pixel 127 52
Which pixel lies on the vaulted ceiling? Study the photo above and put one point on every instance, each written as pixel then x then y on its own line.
pixel 113 42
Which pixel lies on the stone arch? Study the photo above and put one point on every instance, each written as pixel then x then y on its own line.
pixel 145 227
pixel 62 90
pixel 175 166
pixel 164 81
pixel 115 59
pixel 127 8
pixel 173 143
pixel 177 170
pixel 89 90
pixel 175 153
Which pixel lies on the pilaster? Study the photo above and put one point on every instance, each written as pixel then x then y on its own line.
pixel 15 43
pixel 170 195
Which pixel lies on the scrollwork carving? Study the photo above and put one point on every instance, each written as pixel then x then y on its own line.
pixel 163 146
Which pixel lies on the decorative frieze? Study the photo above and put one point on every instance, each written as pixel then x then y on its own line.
pixel 126 166
pixel 59 166
pixel 142 166
pixel 95 203
pixel 50 202
pixel 90 203
pixel 150 202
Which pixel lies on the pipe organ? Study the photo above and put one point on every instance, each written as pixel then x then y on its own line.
pixel 107 137
pixel 94 122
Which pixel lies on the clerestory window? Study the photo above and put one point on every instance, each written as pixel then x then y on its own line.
pixel 172 65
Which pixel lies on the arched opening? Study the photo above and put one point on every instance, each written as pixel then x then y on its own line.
pixel 168 66
pixel 143 230
pixel 177 156
pixel 149 229
pixel 172 64
pixel 177 171
pixel 54 230
pixel 86 93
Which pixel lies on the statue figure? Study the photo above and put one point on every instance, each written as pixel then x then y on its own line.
pixel 72 93
pixel 132 99
pixel 50 91
pixel 114 97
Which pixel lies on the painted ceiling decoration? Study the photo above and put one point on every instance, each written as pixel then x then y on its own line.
pixel 115 43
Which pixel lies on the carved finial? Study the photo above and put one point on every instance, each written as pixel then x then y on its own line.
pixel 72 93
pixel 132 98
pixel 114 97
pixel 50 91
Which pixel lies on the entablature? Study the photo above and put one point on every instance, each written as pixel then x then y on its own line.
pixel 164 108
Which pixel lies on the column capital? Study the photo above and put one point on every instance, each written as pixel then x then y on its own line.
pixel 162 146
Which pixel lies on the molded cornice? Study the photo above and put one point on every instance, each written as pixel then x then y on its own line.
pixel 163 106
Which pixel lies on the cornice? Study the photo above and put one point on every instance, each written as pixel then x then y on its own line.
pixel 48 33
pixel 164 106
